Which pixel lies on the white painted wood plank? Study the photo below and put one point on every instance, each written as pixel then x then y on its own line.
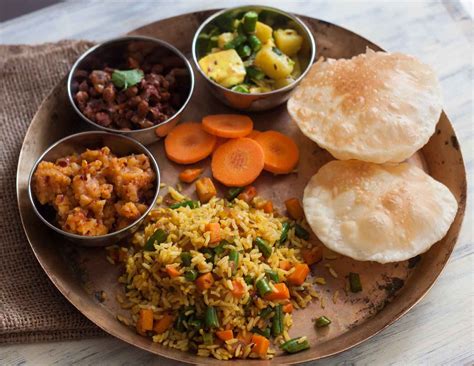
pixel 439 330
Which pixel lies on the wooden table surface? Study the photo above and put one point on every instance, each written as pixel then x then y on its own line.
pixel 439 330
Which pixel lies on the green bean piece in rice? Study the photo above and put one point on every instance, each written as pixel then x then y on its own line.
pixel 158 237
pixel 242 269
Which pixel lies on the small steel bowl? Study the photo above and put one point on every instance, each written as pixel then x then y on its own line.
pixel 119 145
pixel 112 53
pixel 261 101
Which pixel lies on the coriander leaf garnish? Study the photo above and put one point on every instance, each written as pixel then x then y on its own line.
pixel 126 78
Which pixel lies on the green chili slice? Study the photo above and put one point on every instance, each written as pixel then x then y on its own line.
pixel 211 317
pixel 190 204
pixel 234 192
pixel 264 332
pixel 234 260
pixel 254 43
pixel 271 274
pixel 250 21
pixel 277 321
pixel 322 321
pixel 263 287
pixel 284 232
pixel 191 274
pixel 301 232
pixel 254 73
pixel 263 247
pixel 295 345
pixel 354 282
pixel 186 258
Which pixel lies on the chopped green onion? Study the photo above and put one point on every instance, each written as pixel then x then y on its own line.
pixel 190 204
pixel 265 332
pixel 250 21
pixel 254 43
pixel 272 275
pixel 158 237
pixel 211 317
pixel 179 322
pixel 241 88
pixel 254 73
pixel 210 254
pixel 208 339
pixel 195 323
pixel 354 281
pixel 234 259
pixel 277 321
pixel 236 42
pixel 322 321
pixel 234 192
pixel 265 313
pixel 190 274
pixel 263 287
pixel 301 232
pixel 186 258
pixel 285 227
pixel 220 248
pixel 248 279
pixel 244 51
pixel 263 247
pixel 295 345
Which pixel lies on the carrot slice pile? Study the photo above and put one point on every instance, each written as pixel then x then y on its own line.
pixel 281 152
pixel 238 162
pixel 253 134
pixel 188 143
pixel 227 125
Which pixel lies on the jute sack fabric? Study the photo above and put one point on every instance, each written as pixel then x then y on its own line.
pixel 31 308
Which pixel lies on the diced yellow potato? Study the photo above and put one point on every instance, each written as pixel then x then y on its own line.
pixel 288 41
pixel 224 67
pixel 281 83
pixel 224 38
pixel 263 32
pixel 297 67
pixel 273 62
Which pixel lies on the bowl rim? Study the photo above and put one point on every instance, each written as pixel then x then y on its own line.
pixel 112 234
pixel 270 8
pixel 130 38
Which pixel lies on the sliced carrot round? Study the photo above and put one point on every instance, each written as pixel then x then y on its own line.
pixel 238 162
pixel 188 143
pixel 253 134
pixel 227 125
pixel 219 142
pixel 281 152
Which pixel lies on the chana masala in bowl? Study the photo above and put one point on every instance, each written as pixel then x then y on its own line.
pixel 130 84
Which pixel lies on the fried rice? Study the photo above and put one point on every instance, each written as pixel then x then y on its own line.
pixel 149 285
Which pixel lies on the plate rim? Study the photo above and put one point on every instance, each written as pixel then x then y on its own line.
pixel 84 312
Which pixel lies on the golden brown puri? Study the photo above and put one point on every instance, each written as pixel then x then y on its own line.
pixel 376 107
pixel 384 213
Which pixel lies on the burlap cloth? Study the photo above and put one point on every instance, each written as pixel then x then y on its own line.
pixel 31 308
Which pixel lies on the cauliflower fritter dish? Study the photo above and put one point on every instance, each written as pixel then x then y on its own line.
pixel 95 192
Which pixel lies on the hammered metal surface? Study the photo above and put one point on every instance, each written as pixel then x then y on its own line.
pixel 390 290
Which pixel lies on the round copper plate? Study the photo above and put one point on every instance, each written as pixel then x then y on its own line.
pixel 389 290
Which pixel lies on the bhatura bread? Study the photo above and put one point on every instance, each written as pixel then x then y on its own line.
pixel 377 107
pixel 383 213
